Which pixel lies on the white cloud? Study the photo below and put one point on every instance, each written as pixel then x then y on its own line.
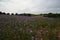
pixel 32 6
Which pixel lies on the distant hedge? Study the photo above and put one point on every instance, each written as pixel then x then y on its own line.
pixel 51 15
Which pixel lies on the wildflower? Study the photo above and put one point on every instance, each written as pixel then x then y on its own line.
pixel 58 36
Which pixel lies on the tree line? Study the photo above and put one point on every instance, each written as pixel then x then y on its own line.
pixel 22 14
pixel 55 15
pixel 29 14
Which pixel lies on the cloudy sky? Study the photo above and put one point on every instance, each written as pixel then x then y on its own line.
pixel 30 6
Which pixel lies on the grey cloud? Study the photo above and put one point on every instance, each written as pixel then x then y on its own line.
pixel 40 6
pixel 53 4
pixel 50 6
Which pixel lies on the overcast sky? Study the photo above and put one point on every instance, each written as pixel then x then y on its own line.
pixel 30 6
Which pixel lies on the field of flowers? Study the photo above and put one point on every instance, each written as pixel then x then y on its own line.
pixel 14 27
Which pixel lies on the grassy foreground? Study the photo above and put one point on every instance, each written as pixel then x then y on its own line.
pixel 29 28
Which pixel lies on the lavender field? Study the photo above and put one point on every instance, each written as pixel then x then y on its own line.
pixel 13 27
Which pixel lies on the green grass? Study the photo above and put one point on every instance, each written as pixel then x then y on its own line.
pixel 11 29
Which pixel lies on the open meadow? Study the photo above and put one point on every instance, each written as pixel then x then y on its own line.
pixel 13 27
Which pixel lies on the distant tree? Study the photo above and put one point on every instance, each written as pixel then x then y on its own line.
pixel 50 14
pixel 0 12
pixel 29 14
pixel 16 14
pixel 12 13
pixel 8 13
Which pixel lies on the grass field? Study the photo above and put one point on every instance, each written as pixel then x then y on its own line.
pixel 29 28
